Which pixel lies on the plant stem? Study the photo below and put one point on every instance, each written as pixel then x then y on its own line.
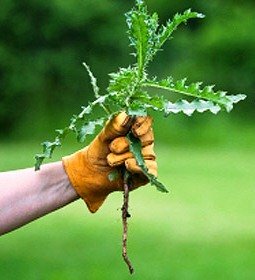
pixel 125 216
pixel 153 85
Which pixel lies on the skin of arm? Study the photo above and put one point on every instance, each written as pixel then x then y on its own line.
pixel 26 195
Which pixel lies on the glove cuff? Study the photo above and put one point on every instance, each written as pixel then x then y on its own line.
pixel 83 180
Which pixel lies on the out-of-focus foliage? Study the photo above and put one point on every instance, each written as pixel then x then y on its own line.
pixel 43 43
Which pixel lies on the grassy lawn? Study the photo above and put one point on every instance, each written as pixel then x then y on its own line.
pixel 204 229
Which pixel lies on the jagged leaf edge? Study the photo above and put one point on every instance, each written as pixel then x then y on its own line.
pixel 188 108
pixel 89 128
pixel 50 146
pixel 166 31
pixel 196 90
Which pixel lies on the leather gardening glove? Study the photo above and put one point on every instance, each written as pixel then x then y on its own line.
pixel 88 169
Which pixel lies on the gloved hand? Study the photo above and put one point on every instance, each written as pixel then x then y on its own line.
pixel 88 169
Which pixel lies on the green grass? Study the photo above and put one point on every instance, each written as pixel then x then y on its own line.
pixel 203 229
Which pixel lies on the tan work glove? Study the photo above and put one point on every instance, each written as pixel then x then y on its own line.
pixel 88 169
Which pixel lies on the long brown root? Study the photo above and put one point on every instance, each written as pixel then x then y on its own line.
pixel 125 216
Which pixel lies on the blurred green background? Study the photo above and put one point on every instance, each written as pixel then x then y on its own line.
pixel 205 227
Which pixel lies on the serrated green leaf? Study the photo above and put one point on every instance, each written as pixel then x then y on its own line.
pixel 188 108
pixel 85 111
pixel 142 30
pixel 138 34
pixel 93 80
pixel 123 81
pixel 48 148
pixel 143 100
pixel 136 108
pixel 88 129
pixel 167 30
pixel 195 90
pixel 95 87
pixel 233 99
pixel 135 148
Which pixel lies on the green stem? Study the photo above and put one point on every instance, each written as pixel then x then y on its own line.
pixel 106 109
pixel 165 88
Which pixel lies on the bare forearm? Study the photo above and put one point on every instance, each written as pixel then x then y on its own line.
pixel 26 195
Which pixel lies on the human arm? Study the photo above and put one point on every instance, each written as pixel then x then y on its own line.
pixel 26 195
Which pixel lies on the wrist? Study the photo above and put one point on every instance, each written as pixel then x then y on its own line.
pixel 56 189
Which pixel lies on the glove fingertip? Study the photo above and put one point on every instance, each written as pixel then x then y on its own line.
pixel 110 159
pixel 115 160
pixel 142 126
pixel 119 145
pixel 122 122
